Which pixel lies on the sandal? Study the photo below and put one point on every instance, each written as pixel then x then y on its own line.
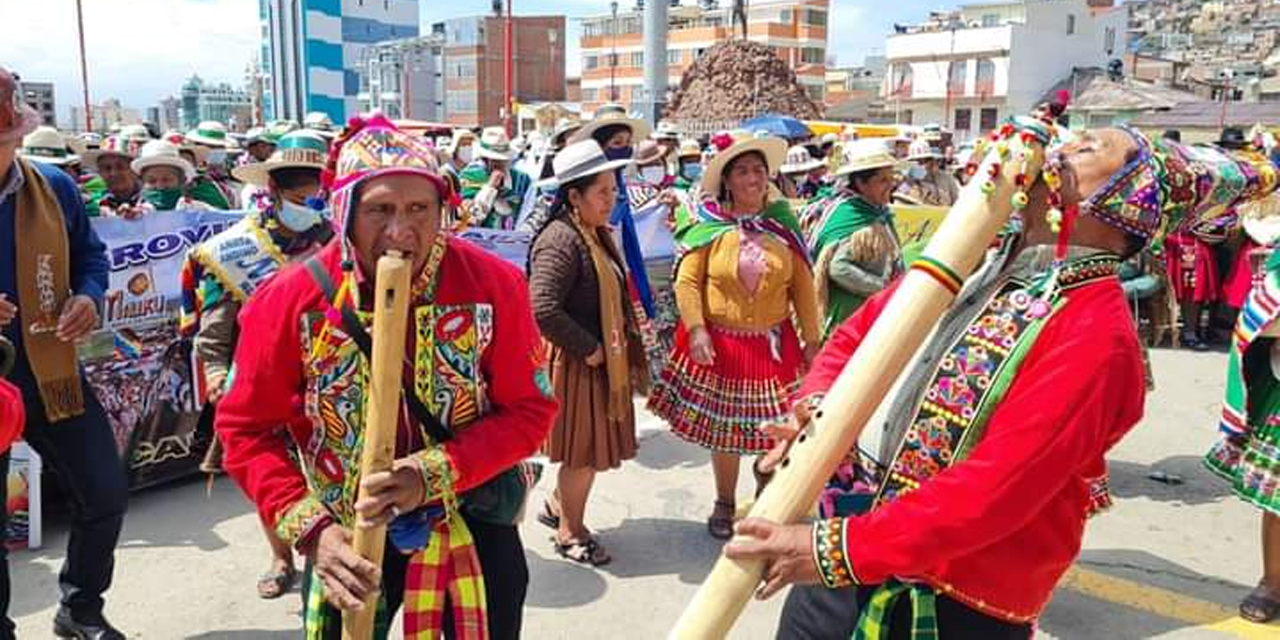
pixel 588 552
pixel 1260 606
pixel 548 517
pixel 720 526
pixel 276 583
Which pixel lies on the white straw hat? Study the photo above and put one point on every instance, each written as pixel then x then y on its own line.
pixel 162 153
pixel 799 160
pixel 579 160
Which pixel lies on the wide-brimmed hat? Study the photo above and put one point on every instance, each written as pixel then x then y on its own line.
pixel 799 160
pixel 456 141
pixel 579 160
pixel 298 150
pixel 162 153
pixel 1232 138
pixel 46 146
pixel 260 135
pixel 689 148
pixel 127 143
pixel 866 155
pixel 564 128
pixel 922 150
pixel 774 151
pixel 611 115
pixel 17 119
pixel 649 151
pixel 209 134
pixel 666 130
pixel 494 144
pixel 319 121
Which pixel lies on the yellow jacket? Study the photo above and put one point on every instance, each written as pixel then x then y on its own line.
pixel 708 290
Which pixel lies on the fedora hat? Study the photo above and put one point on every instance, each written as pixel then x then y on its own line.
pixel 689 148
pixel 865 155
pixel 494 144
pixel 298 150
pixel 774 151
pixel 610 115
pixel 649 152
pixel 799 160
pixel 209 134
pixel 162 153
pixel 460 135
pixel 666 130
pixel 579 160
pixel 1232 138
pixel 46 146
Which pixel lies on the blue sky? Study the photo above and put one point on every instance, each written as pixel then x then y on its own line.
pixel 142 50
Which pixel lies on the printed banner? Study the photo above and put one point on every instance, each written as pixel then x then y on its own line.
pixel 137 363
pixel 22 499
pixel 512 246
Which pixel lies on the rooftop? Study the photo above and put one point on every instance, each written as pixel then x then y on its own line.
pixel 1092 90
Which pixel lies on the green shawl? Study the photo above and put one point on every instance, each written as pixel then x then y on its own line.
pixel 698 228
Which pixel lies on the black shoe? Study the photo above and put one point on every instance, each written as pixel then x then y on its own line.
pixel 65 626
pixel 1193 342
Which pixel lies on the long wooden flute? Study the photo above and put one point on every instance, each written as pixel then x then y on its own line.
pixel 926 291
pixel 390 320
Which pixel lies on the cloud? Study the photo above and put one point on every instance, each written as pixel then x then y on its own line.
pixel 138 51
pixel 849 31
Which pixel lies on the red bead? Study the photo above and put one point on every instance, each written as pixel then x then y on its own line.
pixel 1020 180
pixel 970 169
pixel 994 169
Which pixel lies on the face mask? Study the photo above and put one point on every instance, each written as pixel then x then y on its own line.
pixel 916 172
pixel 691 170
pixel 297 217
pixel 653 174
pixel 622 153
pixel 162 199
pixel 466 155
pixel 217 158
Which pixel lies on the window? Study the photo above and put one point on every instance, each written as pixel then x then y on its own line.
pixel 812 55
pixel 786 16
pixel 986 80
pixel 956 77
pixel 463 67
pixel 1071 24
pixel 1109 40
pixel 900 80
pixel 816 92
pixel 461 102
pixel 991 20
pixel 987 119
pixel 590 95
pixel 590 62
pixel 636 59
pixel 963 120
pixel 673 56
pixel 815 18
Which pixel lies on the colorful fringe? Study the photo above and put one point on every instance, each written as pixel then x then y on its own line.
pixel 1252 466
pixel 722 407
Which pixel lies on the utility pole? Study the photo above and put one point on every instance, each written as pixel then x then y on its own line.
pixel 84 71
pixel 613 54
pixel 655 54
pixel 508 72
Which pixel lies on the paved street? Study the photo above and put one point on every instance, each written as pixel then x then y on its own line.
pixel 1167 562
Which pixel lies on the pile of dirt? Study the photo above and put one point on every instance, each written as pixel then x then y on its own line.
pixel 736 80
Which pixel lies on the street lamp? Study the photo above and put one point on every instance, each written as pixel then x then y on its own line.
pixel 613 55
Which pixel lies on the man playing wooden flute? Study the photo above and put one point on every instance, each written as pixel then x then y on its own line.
pixel 476 402
pixel 994 443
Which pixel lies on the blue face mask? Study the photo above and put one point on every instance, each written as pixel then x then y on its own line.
pixel 297 218
pixel 623 153
pixel 691 170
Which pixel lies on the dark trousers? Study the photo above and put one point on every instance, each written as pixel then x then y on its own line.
pixel 506 579
pixel 82 451
pixel 818 613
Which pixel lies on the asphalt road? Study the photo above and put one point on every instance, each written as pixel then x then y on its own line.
pixel 1169 561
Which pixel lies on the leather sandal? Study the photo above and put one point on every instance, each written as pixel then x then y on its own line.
pixel 588 552
pixel 720 526
pixel 1260 606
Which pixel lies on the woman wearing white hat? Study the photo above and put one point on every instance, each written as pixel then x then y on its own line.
pixel 851 234
pixel 801 177
pixel 742 276
pixel 211 183
pixel 166 177
pixel 493 191
pixel 927 183
pixel 46 146
pixel 578 287
pixel 121 191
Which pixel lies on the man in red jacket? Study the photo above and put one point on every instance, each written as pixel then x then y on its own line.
pixel 481 403
pixel 994 442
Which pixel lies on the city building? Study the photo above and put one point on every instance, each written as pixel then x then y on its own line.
pixel 39 96
pixel 613 44
pixel 853 93
pixel 968 69
pixel 312 51
pixel 105 117
pixel 455 73
pixel 223 103
pixel 169 113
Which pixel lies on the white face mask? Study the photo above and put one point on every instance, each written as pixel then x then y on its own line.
pixel 916 172
pixel 297 217
pixel 465 154
pixel 653 174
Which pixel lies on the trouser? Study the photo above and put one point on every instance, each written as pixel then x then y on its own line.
pixel 82 451
pixel 818 613
pixel 506 578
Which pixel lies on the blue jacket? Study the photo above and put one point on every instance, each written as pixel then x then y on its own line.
pixel 89 265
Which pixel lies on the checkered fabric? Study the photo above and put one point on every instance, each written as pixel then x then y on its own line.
pixel 448 570
pixel 874 623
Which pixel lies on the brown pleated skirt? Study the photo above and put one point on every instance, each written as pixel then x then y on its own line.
pixel 583 435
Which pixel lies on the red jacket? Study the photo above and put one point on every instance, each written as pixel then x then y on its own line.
pixel 997 530
pixel 12 414
pixel 269 379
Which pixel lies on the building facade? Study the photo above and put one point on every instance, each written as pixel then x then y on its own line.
pixel 40 96
pixel 105 117
pixel 969 69
pixel 312 51
pixel 613 45
pixel 404 78
pixel 474 60
pixel 223 103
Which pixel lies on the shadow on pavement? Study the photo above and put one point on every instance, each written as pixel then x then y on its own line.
pixel 661 450
pixel 1199 486
pixel 248 634
pixel 183 514
pixel 660 546
pixel 555 583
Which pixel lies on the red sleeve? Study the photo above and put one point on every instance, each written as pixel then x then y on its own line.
pixel 1076 394
pixel 264 399
pixel 522 408
pixel 12 414
pixel 841 345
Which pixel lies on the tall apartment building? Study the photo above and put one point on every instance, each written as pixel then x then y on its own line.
pixel 39 96
pixel 613 45
pixel 221 102
pixel 104 117
pixel 312 49
pixel 969 69
pixel 404 78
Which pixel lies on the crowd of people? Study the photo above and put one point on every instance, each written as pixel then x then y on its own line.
pixel 769 262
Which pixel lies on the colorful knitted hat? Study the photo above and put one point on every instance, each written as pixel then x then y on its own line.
pixel 371 147
pixel 1169 186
